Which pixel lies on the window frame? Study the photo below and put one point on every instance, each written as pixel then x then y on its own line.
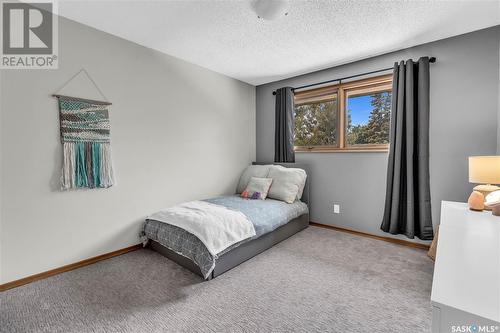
pixel 342 90
pixel 319 99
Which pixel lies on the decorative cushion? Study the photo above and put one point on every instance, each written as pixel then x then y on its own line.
pixel 259 171
pixel 257 188
pixel 288 183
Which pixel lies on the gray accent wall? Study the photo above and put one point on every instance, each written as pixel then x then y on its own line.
pixel 464 109
pixel 179 132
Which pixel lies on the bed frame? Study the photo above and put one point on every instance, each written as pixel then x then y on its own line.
pixel 248 249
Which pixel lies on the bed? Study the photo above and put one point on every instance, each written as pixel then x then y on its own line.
pixel 273 221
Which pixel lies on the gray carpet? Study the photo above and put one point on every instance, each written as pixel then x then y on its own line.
pixel 319 280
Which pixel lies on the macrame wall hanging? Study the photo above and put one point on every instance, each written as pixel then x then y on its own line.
pixel 85 136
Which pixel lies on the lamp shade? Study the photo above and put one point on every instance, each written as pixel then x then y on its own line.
pixel 484 169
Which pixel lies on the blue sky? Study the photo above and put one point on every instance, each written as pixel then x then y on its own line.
pixel 360 107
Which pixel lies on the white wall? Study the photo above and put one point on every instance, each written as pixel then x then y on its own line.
pixel 498 106
pixel 464 104
pixel 1 183
pixel 179 132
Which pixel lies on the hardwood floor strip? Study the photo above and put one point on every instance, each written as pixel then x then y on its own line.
pixel 70 267
pixel 363 234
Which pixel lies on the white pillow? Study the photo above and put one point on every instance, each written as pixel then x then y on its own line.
pixel 259 171
pixel 288 183
pixel 257 188
pixel 302 184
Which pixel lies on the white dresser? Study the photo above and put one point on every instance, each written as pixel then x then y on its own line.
pixel 466 284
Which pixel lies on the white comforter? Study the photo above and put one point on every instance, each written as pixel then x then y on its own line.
pixel 216 226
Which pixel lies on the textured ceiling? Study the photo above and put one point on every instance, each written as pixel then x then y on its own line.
pixel 227 36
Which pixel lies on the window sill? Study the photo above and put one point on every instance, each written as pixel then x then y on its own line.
pixel 342 150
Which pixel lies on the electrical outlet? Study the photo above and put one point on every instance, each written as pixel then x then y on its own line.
pixel 336 209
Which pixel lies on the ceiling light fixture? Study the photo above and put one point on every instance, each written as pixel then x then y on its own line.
pixel 271 9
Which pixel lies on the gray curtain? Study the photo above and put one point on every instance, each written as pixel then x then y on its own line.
pixel 408 200
pixel 284 125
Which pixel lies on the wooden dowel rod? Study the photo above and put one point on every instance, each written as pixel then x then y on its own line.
pixel 82 99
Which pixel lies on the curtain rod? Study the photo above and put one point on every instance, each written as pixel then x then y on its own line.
pixel 431 60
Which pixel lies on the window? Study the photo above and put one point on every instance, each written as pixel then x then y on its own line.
pixel 353 116
pixel 316 122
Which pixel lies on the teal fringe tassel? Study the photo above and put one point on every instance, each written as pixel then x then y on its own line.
pixel 86 165
pixel 81 177
pixel 96 163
